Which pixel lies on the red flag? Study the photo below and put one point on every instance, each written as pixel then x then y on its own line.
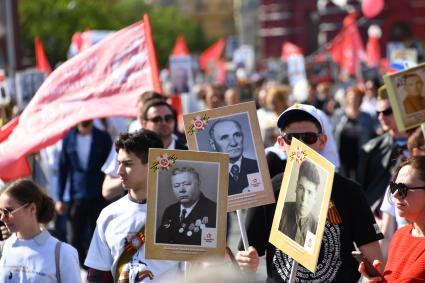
pixel 40 57
pixel 180 47
pixel 104 80
pixel 373 50
pixel 347 48
pixel 213 53
pixel 289 49
pixel 7 129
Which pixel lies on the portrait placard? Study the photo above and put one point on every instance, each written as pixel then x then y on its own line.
pixel 407 96
pixel 187 202
pixel 302 207
pixel 234 130
pixel 181 74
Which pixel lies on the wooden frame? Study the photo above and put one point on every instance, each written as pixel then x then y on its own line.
pixel 409 109
pixel 284 234
pixel 253 186
pixel 203 230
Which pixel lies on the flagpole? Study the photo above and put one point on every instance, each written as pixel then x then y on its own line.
pixel 243 230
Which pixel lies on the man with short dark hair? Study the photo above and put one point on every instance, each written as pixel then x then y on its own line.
pixel 155 115
pixel 117 249
pixel 297 217
pixel 159 117
pixel 349 217
pixel 183 221
pixel 226 136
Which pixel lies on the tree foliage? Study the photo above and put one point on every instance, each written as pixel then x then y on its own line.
pixel 56 21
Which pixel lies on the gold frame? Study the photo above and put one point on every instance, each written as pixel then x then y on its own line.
pixel 394 84
pixel 308 254
pixel 184 252
pixel 244 200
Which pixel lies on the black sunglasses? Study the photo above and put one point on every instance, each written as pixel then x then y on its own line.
pixel 386 112
pixel 402 189
pixel 157 119
pixel 307 138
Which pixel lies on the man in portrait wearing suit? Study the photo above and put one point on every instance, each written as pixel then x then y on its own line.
pixel 226 136
pixel 183 221
pixel 297 217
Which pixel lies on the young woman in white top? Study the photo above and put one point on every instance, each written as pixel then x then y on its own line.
pixel 31 254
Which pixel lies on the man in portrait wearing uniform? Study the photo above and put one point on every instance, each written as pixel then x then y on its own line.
pixel 183 221
pixel 415 100
pixel 226 136
pixel 297 217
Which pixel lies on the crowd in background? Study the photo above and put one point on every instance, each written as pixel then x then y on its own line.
pixel 368 145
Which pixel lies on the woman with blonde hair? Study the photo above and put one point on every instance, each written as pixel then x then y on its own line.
pixel 31 254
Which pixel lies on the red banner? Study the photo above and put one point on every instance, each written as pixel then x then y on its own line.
pixel 102 81
pixel 347 48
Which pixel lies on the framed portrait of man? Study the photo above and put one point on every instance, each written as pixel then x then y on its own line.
pixel 234 130
pixel 302 206
pixel 406 91
pixel 187 204
pixel 181 76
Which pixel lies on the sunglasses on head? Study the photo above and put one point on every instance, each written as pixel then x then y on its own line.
pixel 307 138
pixel 157 119
pixel 402 189
pixel 385 112
pixel 7 212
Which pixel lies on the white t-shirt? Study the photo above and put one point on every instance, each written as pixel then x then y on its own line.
pixel 34 260
pixel 83 149
pixel 116 225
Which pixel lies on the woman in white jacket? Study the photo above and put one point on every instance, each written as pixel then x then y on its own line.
pixel 31 254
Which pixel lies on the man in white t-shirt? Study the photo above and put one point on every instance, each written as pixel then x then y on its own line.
pixel 120 225
pixel 157 116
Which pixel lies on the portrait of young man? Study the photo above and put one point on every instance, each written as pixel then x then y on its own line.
pixel 415 97
pixel 183 221
pixel 226 135
pixel 298 217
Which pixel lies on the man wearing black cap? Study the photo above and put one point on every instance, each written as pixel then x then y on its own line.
pixel 349 217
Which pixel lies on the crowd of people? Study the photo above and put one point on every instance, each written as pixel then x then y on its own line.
pixel 97 183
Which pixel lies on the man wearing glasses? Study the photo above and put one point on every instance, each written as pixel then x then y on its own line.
pixel 349 218
pixel 379 156
pixel 159 117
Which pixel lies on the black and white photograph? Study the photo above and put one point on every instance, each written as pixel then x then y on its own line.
pixel 302 206
pixel 234 130
pixel 187 204
pixel 227 134
pixel 181 74
pixel 187 207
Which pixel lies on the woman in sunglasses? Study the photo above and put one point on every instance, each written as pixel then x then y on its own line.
pixel 406 255
pixel 31 254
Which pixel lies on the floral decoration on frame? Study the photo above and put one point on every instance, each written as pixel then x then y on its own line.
pixel 198 124
pixel 164 162
pixel 299 154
